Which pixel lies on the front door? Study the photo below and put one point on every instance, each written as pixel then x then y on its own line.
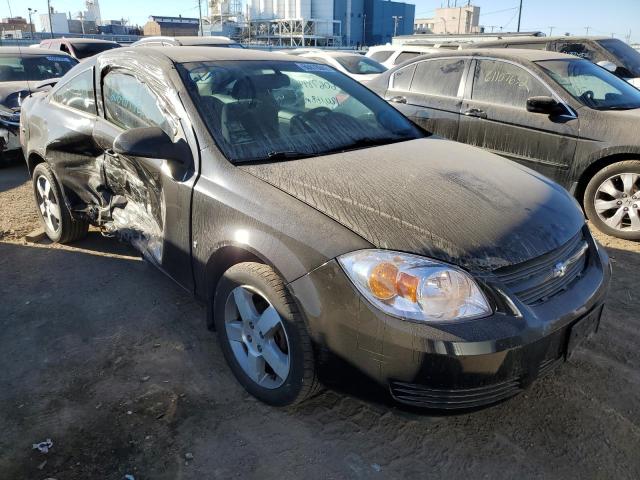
pixel 494 117
pixel 71 152
pixel 429 93
pixel 151 197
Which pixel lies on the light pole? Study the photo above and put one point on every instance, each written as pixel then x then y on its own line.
pixel 31 12
pixel 200 16
pixel 396 19
pixel 551 31
pixel 49 13
pixel 364 29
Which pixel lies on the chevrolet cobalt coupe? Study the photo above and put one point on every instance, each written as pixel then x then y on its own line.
pixel 309 214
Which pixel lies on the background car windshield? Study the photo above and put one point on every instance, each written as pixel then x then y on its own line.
pixel 15 68
pixel 592 85
pixel 89 49
pixel 629 57
pixel 359 65
pixel 276 110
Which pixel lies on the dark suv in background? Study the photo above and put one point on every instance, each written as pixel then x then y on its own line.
pixel 564 116
pixel 79 48
pixel 610 53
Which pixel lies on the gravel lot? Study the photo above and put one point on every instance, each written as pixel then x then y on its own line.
pixel 111 360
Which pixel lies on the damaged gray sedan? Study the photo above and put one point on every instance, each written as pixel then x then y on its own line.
pixel 309 214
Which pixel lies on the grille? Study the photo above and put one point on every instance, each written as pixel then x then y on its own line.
pixel 423 396
pixel 537 280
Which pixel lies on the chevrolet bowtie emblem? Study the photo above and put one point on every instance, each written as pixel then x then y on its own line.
pixel 560 269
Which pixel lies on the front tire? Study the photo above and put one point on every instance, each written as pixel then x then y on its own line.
pixel 612 200
pixel 263 336
pixel 56 219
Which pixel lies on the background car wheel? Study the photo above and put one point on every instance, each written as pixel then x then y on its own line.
pixel 612 200
pixel 55 217
pixel 263 336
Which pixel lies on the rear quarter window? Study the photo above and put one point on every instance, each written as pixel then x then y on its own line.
pixel 438 77
pixel 381 56
pixel 404 56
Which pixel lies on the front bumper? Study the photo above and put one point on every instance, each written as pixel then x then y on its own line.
pixel 455 365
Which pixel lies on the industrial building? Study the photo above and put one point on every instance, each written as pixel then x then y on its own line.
pixel 450 20
pixel 171 26
pixel 328 23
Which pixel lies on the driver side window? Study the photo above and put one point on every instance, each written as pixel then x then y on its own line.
pixel 78 93
pixel 129 103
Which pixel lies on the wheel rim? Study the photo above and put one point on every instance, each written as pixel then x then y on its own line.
pixel 257 337
pixel 617 200
pixel 48 204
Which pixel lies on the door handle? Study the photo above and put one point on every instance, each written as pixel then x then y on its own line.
pixel 476 112
pixel 398 99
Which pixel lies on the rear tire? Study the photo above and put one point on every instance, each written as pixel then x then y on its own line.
pixel 612 200
pixel 56 219
pixel 263 335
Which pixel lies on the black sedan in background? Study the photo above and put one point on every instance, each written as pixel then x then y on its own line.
pixel 563 116
pixel 21 72
pixel 308 213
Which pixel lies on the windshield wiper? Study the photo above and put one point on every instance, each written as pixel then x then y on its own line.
pixel 621 107
pixel 288 155
pixel 368 142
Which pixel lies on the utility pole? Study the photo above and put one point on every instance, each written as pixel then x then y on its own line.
pixel 31 12
pixel 396 19
pixel 49 13
pixel 587 30
pixel 519 15
pixel 551 31
pixel 200 16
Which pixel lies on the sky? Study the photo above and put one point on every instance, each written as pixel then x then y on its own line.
pixel 604 17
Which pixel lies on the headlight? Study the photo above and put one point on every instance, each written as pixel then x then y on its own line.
pixel 414 287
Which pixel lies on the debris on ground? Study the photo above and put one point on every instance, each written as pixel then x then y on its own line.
pixel 188 456
pixel 43 447
pixel 129 477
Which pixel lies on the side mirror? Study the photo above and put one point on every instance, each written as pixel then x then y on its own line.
pixel 607 65
pixel 546 105
pixel 151 142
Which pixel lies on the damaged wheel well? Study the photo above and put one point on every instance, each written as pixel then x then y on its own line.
pixel 222 260
pixel 595 167
pixel 33 160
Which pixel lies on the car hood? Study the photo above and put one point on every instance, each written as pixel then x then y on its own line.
pixel 435 198
pixel 10 91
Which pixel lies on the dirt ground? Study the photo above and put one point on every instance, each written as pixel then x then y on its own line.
pixel 102 354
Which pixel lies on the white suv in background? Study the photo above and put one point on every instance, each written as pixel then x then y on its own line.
pixel 392 55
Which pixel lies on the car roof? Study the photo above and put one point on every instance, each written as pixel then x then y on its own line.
pixel 517 40
pixel 83 40
pixel 29 51
pixel 190 40
pixel 503 53
pixel 332 54
pixel 186 54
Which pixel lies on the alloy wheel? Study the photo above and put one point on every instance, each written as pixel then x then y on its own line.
pixel 617 202
pixel 257 337
pixel 48 205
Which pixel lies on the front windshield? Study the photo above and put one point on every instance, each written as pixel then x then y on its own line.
pixel 360 65
pixel 628 57
pixel 592 85
pixel 277 110
pixel 89 49
pixel 16 68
